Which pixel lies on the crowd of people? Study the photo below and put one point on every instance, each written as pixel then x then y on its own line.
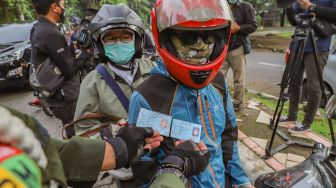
pixel 196 41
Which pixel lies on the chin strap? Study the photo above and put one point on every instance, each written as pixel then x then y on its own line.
pixel 13 131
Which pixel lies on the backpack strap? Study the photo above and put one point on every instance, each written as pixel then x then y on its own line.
pixel 101 117
pixel 230 134
pixel 113 85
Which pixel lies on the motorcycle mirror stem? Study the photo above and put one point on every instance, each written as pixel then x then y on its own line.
pixel 330 110
pixel 330 107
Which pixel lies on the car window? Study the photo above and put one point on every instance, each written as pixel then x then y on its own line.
pixel 15 33
pixel 333 45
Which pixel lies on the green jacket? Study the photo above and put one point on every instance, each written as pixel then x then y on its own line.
pixel 96 96
pixel 167 181
pixel 74 160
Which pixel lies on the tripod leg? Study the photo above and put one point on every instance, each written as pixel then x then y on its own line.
pixel 295 58
pixel 319 70
pixel 281 103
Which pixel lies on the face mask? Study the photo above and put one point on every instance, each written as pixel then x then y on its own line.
pixel 197 53
pixel 233 1
pixel 62 14
pixel 120 53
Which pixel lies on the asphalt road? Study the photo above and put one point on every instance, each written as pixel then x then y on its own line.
pixel 263 73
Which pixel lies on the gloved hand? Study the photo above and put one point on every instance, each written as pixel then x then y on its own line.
pixel 192 158
pixel 129 144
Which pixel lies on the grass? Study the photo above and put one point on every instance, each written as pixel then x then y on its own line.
pixel 320 125
pixel 287 35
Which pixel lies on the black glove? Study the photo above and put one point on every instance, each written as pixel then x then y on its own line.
pixel 128 145
pixel 187 156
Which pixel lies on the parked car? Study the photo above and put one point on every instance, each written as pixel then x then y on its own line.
pixel 329 74
pixel 15 52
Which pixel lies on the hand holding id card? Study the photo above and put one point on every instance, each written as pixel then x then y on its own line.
pixel 169 127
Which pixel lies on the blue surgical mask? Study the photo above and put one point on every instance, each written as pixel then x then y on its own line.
pixel 120 53
pixel 233 1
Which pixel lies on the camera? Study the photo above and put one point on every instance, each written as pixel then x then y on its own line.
pixel 83 35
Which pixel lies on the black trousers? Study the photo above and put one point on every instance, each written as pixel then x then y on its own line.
pixel 66 114
pixel 314 92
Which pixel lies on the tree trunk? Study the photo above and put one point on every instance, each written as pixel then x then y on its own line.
pixel 283 17
pixel 5 10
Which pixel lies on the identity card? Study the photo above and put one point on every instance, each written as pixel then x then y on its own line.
pixel 157 121
pixel 184 130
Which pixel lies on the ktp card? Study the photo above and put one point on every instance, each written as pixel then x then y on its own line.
pixel 184 130
pixel 157 121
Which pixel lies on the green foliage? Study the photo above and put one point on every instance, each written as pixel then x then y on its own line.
pixel 17 11
pixel 261 5
pixel 142 8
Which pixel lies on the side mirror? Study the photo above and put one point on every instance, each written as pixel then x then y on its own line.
pixel 330 108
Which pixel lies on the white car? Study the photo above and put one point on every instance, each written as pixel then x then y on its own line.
pixel 329 74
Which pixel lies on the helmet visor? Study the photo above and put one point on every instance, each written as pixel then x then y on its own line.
pixel 171 13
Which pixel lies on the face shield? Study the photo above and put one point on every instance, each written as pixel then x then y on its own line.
pixel 191 37
pixel 187 13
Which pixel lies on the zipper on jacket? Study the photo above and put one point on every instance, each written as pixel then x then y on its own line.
pixel 210 117
pixel 207 135
pixel 204 125
pixel 213 175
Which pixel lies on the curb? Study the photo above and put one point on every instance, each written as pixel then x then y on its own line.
pixel 271 162
pixel 263 94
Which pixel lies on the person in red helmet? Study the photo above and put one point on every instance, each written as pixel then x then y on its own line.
pixel 191 38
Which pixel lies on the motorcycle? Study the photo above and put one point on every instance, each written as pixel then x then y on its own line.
pixel 319 170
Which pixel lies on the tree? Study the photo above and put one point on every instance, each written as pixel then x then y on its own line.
pixel 16 10
pixel 142 8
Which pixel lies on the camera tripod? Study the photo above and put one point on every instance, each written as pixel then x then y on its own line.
pixel 303 33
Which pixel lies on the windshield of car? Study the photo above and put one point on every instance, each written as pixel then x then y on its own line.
pixel 333 45
pixel 14 33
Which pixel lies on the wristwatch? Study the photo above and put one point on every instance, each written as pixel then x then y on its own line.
pixel 312 8
pixel 172 169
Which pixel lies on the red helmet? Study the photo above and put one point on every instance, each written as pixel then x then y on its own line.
pixel 190 21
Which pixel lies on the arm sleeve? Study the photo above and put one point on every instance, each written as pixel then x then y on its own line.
pixel 61 55
pixel 167 181
pixel 233 167
pixel 88 102
pixel 250 24
pixel 326 13
pixel 82 158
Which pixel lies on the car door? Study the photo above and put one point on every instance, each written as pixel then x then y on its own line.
pixel 330 69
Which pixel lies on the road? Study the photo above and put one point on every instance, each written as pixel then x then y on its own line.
pixel 264 71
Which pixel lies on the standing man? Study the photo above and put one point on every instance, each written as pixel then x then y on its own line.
pixel 324 10
pixel 244 24
pixel 48 42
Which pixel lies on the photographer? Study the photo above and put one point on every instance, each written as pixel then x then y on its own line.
pixel 48 42
pixel 324 10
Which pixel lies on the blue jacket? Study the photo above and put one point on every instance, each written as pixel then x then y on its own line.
pixel 322 44
pixel 197 106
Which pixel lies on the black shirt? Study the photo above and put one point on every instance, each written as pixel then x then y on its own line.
pixel 47 41
pixel 244 16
